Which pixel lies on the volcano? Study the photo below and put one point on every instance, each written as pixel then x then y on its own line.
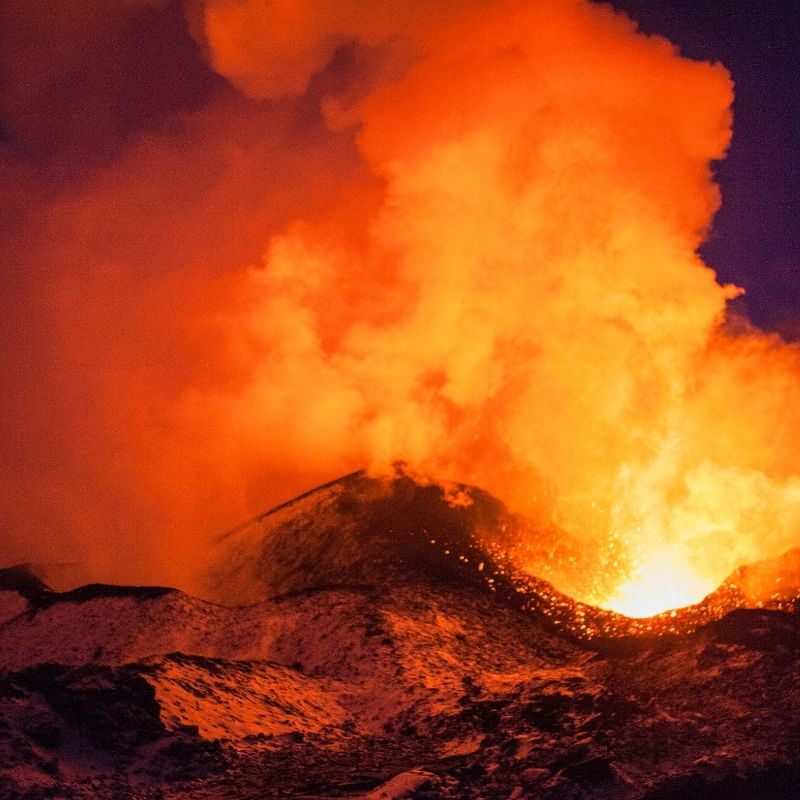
pixel 376 638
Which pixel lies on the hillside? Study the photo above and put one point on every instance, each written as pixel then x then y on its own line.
pixel 386 668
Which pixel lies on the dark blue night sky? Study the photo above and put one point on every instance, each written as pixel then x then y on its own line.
pixel 755 240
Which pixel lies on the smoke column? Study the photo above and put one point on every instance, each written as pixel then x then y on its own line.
pixel 464 238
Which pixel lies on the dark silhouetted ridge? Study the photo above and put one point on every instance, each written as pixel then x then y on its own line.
pixel 94 591
pixel 23 580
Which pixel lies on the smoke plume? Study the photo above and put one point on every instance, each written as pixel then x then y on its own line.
pixel 463 237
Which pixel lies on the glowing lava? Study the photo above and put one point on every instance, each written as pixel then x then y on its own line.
pixel 661 580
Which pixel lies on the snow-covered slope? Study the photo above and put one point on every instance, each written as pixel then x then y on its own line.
pixel 374 664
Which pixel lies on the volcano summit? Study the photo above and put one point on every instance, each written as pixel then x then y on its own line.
pixel 377 641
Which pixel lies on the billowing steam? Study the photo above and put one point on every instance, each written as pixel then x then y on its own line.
pixel 464 238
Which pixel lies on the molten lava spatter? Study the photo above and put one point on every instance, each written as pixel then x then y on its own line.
pixel 658 580
pixel 367 532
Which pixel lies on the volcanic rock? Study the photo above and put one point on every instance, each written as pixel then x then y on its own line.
pixel 370 663
pixel 360 530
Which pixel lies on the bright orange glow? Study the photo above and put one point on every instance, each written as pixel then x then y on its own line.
pixel 661 580
pixel 548 333
pixel 469 245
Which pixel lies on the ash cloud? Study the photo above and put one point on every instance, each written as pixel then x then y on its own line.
pixel 345 236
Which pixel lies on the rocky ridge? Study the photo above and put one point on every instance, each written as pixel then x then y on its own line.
pixel 358 675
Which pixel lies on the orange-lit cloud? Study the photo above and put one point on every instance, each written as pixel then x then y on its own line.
pixel 463 238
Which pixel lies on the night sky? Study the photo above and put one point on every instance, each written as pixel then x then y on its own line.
pixel 755 241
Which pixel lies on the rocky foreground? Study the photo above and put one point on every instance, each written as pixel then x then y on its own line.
pixel 369 663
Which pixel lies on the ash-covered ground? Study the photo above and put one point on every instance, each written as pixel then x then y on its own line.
pixel 389 648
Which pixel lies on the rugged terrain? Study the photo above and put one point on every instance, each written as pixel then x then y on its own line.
pixel 375 640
